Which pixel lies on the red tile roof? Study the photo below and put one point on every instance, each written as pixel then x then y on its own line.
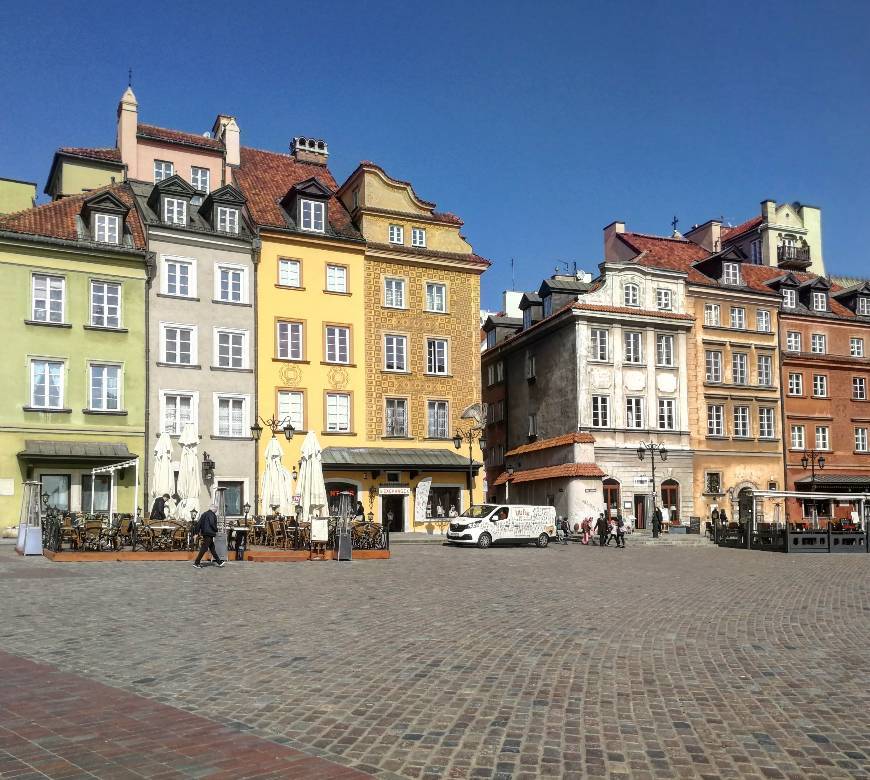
pixel 104 154
pixel 178 137
pixel 665 315
pixel 589 470
pixel 58 218
pixel 556 441
pixel 266 177
pixel 675 254
pixel 738 230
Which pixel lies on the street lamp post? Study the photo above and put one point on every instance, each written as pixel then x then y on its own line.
pixel 652 448
pixel 813 459
pixel 469 435
pixel 507 484
pixel 274 424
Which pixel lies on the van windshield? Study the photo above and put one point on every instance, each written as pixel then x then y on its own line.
pixel 479 510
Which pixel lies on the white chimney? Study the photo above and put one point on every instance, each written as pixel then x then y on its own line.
pixel 128 120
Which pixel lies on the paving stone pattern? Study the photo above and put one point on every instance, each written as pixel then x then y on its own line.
pixel 506 663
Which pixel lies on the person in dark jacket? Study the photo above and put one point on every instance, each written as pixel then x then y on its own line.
pixel 657 522
pixel 158 511
pixel 360 511
pixel 207 528
pixel 620 530
pixel 603 529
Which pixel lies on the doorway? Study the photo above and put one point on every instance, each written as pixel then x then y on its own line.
pixel 639 510
pixel 611 496
pixel 671 498
pixel 393 513
pixel 745 505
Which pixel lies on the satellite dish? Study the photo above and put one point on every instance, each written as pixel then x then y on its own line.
pixel 473 412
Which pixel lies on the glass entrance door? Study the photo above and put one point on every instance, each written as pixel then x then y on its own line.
pixel 671 498
pixel 102 489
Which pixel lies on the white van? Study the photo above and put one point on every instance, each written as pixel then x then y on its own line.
pixel 488 524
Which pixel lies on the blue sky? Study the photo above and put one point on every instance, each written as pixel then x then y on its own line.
pixel 538 123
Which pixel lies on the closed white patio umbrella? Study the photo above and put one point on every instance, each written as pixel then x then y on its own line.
pixel 161 474
pixel 188 474
pixel 311 488
pixel 277 482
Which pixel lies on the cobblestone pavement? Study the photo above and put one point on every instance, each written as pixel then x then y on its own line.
pixel 524 663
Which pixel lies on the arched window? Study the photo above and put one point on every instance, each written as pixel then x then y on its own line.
pixel 631 295
pixel 611 496
pixel 671 498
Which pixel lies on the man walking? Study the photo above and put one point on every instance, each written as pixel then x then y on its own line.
pixel 603 529
pixel 620 531
pixel 208 528
pixel 657 522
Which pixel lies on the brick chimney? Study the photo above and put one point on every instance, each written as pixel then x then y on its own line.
pixel 310 150
pixel 125 140
pixel 611 245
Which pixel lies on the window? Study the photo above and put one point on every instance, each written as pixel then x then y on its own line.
pixel 490 339
pixel 46 384
pixel 795 384
pixel 199 178
pixel 234 496
pixel 715 420
pixel 533 424
pixel 789 298
pixel 290 342
pixel 231 417
pixel 175 211
pixel 337 412
pixel 436 356
pixel 289 273
pixel 859 388
pixel 633 347
pixel 530 365
pixel 313 216
pixel 820 301
pixel 823 438
pixel 178 410
pixel 231 284
pixel 436 297
pixel 664 350
pixel 762 321
pixel 713 482
pixel 861 440
pixel 731 273
pixel 820 386
pixel 336 278
pixel 394 293
pixel 107 228
pixel 600 344
pixel 397 234
pixel 499 371
pixel 663 299
pixel 438 426
pixel 634 412
pixel 178 278
pixel 105 384
pixel 163 169
pixel 291 406
pixel 337 344
pixel 798 437
pixel 418 236
pixel 864 306
pixel 527 318
pixel 179 347
pixel 739 368
pixel 105 305
pixel 712 314
pixel 48 298
pixel 714 365
pixel 396 418
pixel 755 253
pixel 601 411
pixel 396 353
pixel 741 421
pixel 547 305
pixel 856 347
pixel 738 317
pixel 766 424
pixel 227 219
pixel 818 343
pixel 96 492
pixel 630 295
pixel 793 341
pixel 231 351
pixel 667 414
pixel 765 370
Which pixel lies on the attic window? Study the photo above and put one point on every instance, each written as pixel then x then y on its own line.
pixel 312 216
pixel 630 295
pixel 548 305
pixel 175 211
pixel 820 301
pixel 107 228
pixel 731 273
pixel 227 219
pixel 864 306
pixel 527 318
pixel 789 298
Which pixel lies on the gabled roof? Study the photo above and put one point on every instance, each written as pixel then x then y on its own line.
pixel 529 299
pixel 563 471
pixel 577 437
pixel 563 285
pixel 673 254
pixel 311 188
pixel 226 194
pixel 102 154
pixel 738 230
pixel 500 321
pixel 166 135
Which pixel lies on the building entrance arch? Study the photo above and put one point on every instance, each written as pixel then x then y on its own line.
pixel 670 492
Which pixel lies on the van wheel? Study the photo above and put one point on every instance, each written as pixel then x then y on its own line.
pixel 543 540
pixel 484 541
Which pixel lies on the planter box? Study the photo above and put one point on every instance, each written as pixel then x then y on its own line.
pixel 679 529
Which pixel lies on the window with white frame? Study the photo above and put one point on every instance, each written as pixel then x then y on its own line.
pixel 46 384
pixel 418 236
pixel 765 370
pixel 105 304
pixel 48 298
pixel 530 365
pixel 712 314
pixel 820 385
pixel 397 234
pixel 394 292
pixel 499 371
pixel 231 286
pixel 631 295
pixel 438 422
pixel 863 306
pixel 741 421
pixel 291 406
pixel 820 301
pixel 178 410
pixel 163 169
pixel 860 440
pixel 533 424
pixel 337 344
pixel 336 278
pixel 856 347
pixel 755 252
pixel 762 321
pixel 738 317
pixel 179 277
pixel 740 368
pixel 105 387
pixel 795 383
pixel 436 356
pixel 231 348
pixel 766 423
pixel 232 416
pixel 634 412
pixel 313 216
pixel 179 344
pixel 667 414
pixel 227 219
pixel 601 411
pixel 436 297
pixel 663 299
pixel 289 272
pixel 859 388
pixel 396 417
pixel 713 359
pixel 715 420
pixel 664 350
pixel 338 412
pixel 290 341
pixel 793 341
pixel 600 340
pixel 798 437
pixel 823 437
pixel 731 273
pixel 633 346
pixel 789 298
pixel 107 228
pixel 199 178
pixel 396 353
pixel 175 211
pixel 818 343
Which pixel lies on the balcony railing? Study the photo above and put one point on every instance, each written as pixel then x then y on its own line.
pixel 793 254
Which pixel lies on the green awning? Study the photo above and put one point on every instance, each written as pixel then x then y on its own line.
pixel 394 458
pixel 37 449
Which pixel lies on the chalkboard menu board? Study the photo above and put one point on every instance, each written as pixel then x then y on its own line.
pixel 694 525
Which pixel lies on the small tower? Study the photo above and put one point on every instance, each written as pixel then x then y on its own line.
pixel 128 120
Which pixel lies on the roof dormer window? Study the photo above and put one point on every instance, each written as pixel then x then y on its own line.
pixel 731 273
pixel 175 211
pixel 107 228
pixel 227 219
pixel 789 298
pixel 548 305
pixel 864 306
pixel 312 215
pixel 820 301
pixel 527 318
pixel 631 295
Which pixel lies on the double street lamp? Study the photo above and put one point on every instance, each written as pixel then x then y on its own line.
pixel 274 425
pixel 813 459
pixel 652 448
pixel 469 435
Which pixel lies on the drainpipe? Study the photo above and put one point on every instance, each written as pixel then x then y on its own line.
pixel 783 432
pixel 256 246
pixel 150 270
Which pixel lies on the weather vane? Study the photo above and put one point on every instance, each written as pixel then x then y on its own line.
pixel 675 222
pixel 129 77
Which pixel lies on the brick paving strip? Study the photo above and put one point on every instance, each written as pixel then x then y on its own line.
pixel 61 725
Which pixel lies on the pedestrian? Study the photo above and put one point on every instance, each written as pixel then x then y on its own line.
pixel 207 527
pixel 657 522
pixel 359 511
pixel 603 529
pixel 158 510
pixel 563 530
pixel 611 528
pixel 714 515
pixel 620 531
pixel 586 528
